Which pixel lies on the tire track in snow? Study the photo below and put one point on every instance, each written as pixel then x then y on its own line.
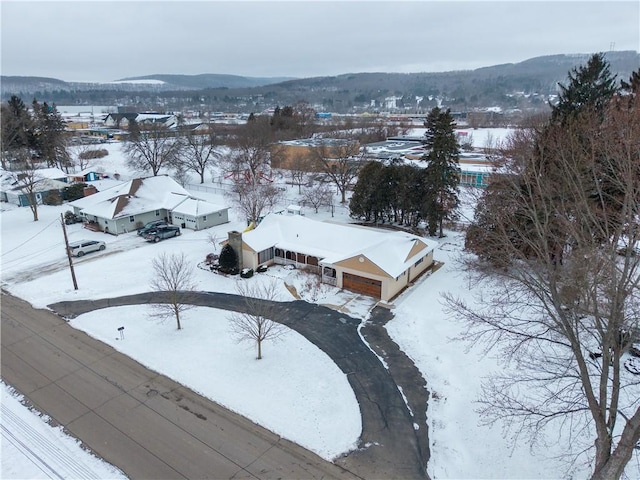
pixel 52 459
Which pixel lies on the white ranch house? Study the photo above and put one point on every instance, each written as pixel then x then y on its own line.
pixel 379 263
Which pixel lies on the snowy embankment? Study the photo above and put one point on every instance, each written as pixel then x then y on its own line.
pixel 32 449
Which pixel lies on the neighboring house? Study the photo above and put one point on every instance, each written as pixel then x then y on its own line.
pixel 194 128
pixel 87 175
pixel 124 120
pixel 53 174
pixel 15 194
pixel 119 120
pixel 46 182
pixel 168 121
pixel 369 261
pixel 128 206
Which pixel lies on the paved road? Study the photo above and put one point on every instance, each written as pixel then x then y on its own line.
pixel 134 418
pixel 390 445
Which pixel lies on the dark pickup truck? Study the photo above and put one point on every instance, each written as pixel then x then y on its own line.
pixel 160 233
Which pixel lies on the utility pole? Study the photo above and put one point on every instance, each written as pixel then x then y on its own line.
pixel 66 245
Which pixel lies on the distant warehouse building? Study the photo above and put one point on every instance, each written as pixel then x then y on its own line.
pixel 302 153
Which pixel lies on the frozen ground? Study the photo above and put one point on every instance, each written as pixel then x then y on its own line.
pixel 34 268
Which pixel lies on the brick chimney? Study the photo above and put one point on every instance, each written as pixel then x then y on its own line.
pixel 235 242
pixel 89 190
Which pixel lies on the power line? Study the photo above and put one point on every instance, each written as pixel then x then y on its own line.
pixel 29 239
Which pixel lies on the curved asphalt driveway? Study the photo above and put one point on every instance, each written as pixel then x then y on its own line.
pixel 133 417
pixel 390 445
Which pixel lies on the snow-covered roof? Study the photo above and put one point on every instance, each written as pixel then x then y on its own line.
pixel 136 196
pixel 393 252
pixel 195 207
pixel 146 117
pixel 52 173
pixel 43 185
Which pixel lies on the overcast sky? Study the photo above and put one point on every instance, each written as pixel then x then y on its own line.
pixel 109 40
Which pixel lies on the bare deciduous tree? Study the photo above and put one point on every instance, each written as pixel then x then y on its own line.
pixel 256 325
pixel 563 230
pixel 340 161
pixel 151 147
pixel 254 200
pixel 173 277
pixel 299 168
pixel 318 195
pixel 84 155
pixel 199 152
pixel 251 152
pixel 29 181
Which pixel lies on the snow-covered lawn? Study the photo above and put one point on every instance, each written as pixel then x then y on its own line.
pixel 295 390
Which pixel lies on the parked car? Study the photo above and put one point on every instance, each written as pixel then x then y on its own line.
pixel 78 249
pixel 70 218
pixel 151 226
pixel 160 233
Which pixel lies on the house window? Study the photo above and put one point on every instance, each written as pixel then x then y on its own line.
pixel 329 272
pixel 400 276
pixel 157 213
pixel 418 262
pixel 132 219
pixel 219 214
pixel 204 218
pixel 279 253
pixel 265 255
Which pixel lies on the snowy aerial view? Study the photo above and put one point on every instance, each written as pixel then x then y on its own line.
pixel 320 240
pixel 309 398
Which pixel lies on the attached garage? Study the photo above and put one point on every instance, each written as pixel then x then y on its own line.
pixel 363 285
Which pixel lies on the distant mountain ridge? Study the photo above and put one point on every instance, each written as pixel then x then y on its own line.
pixel 522 85
pixel 15 84
pixel 210 80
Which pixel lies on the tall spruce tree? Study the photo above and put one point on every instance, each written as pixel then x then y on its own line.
pixel 17 131
pixel 442 173
pixel 369 199
pixel 50 136
pixel 589 87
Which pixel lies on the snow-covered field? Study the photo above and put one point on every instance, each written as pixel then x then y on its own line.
pixel 33 260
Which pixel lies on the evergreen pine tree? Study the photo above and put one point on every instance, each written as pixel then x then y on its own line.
pixel 228 260
pixel 632 87
pixel 17 131
pixel 363 203
pixel 50 142
pixel 442 173
pixel 589 87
